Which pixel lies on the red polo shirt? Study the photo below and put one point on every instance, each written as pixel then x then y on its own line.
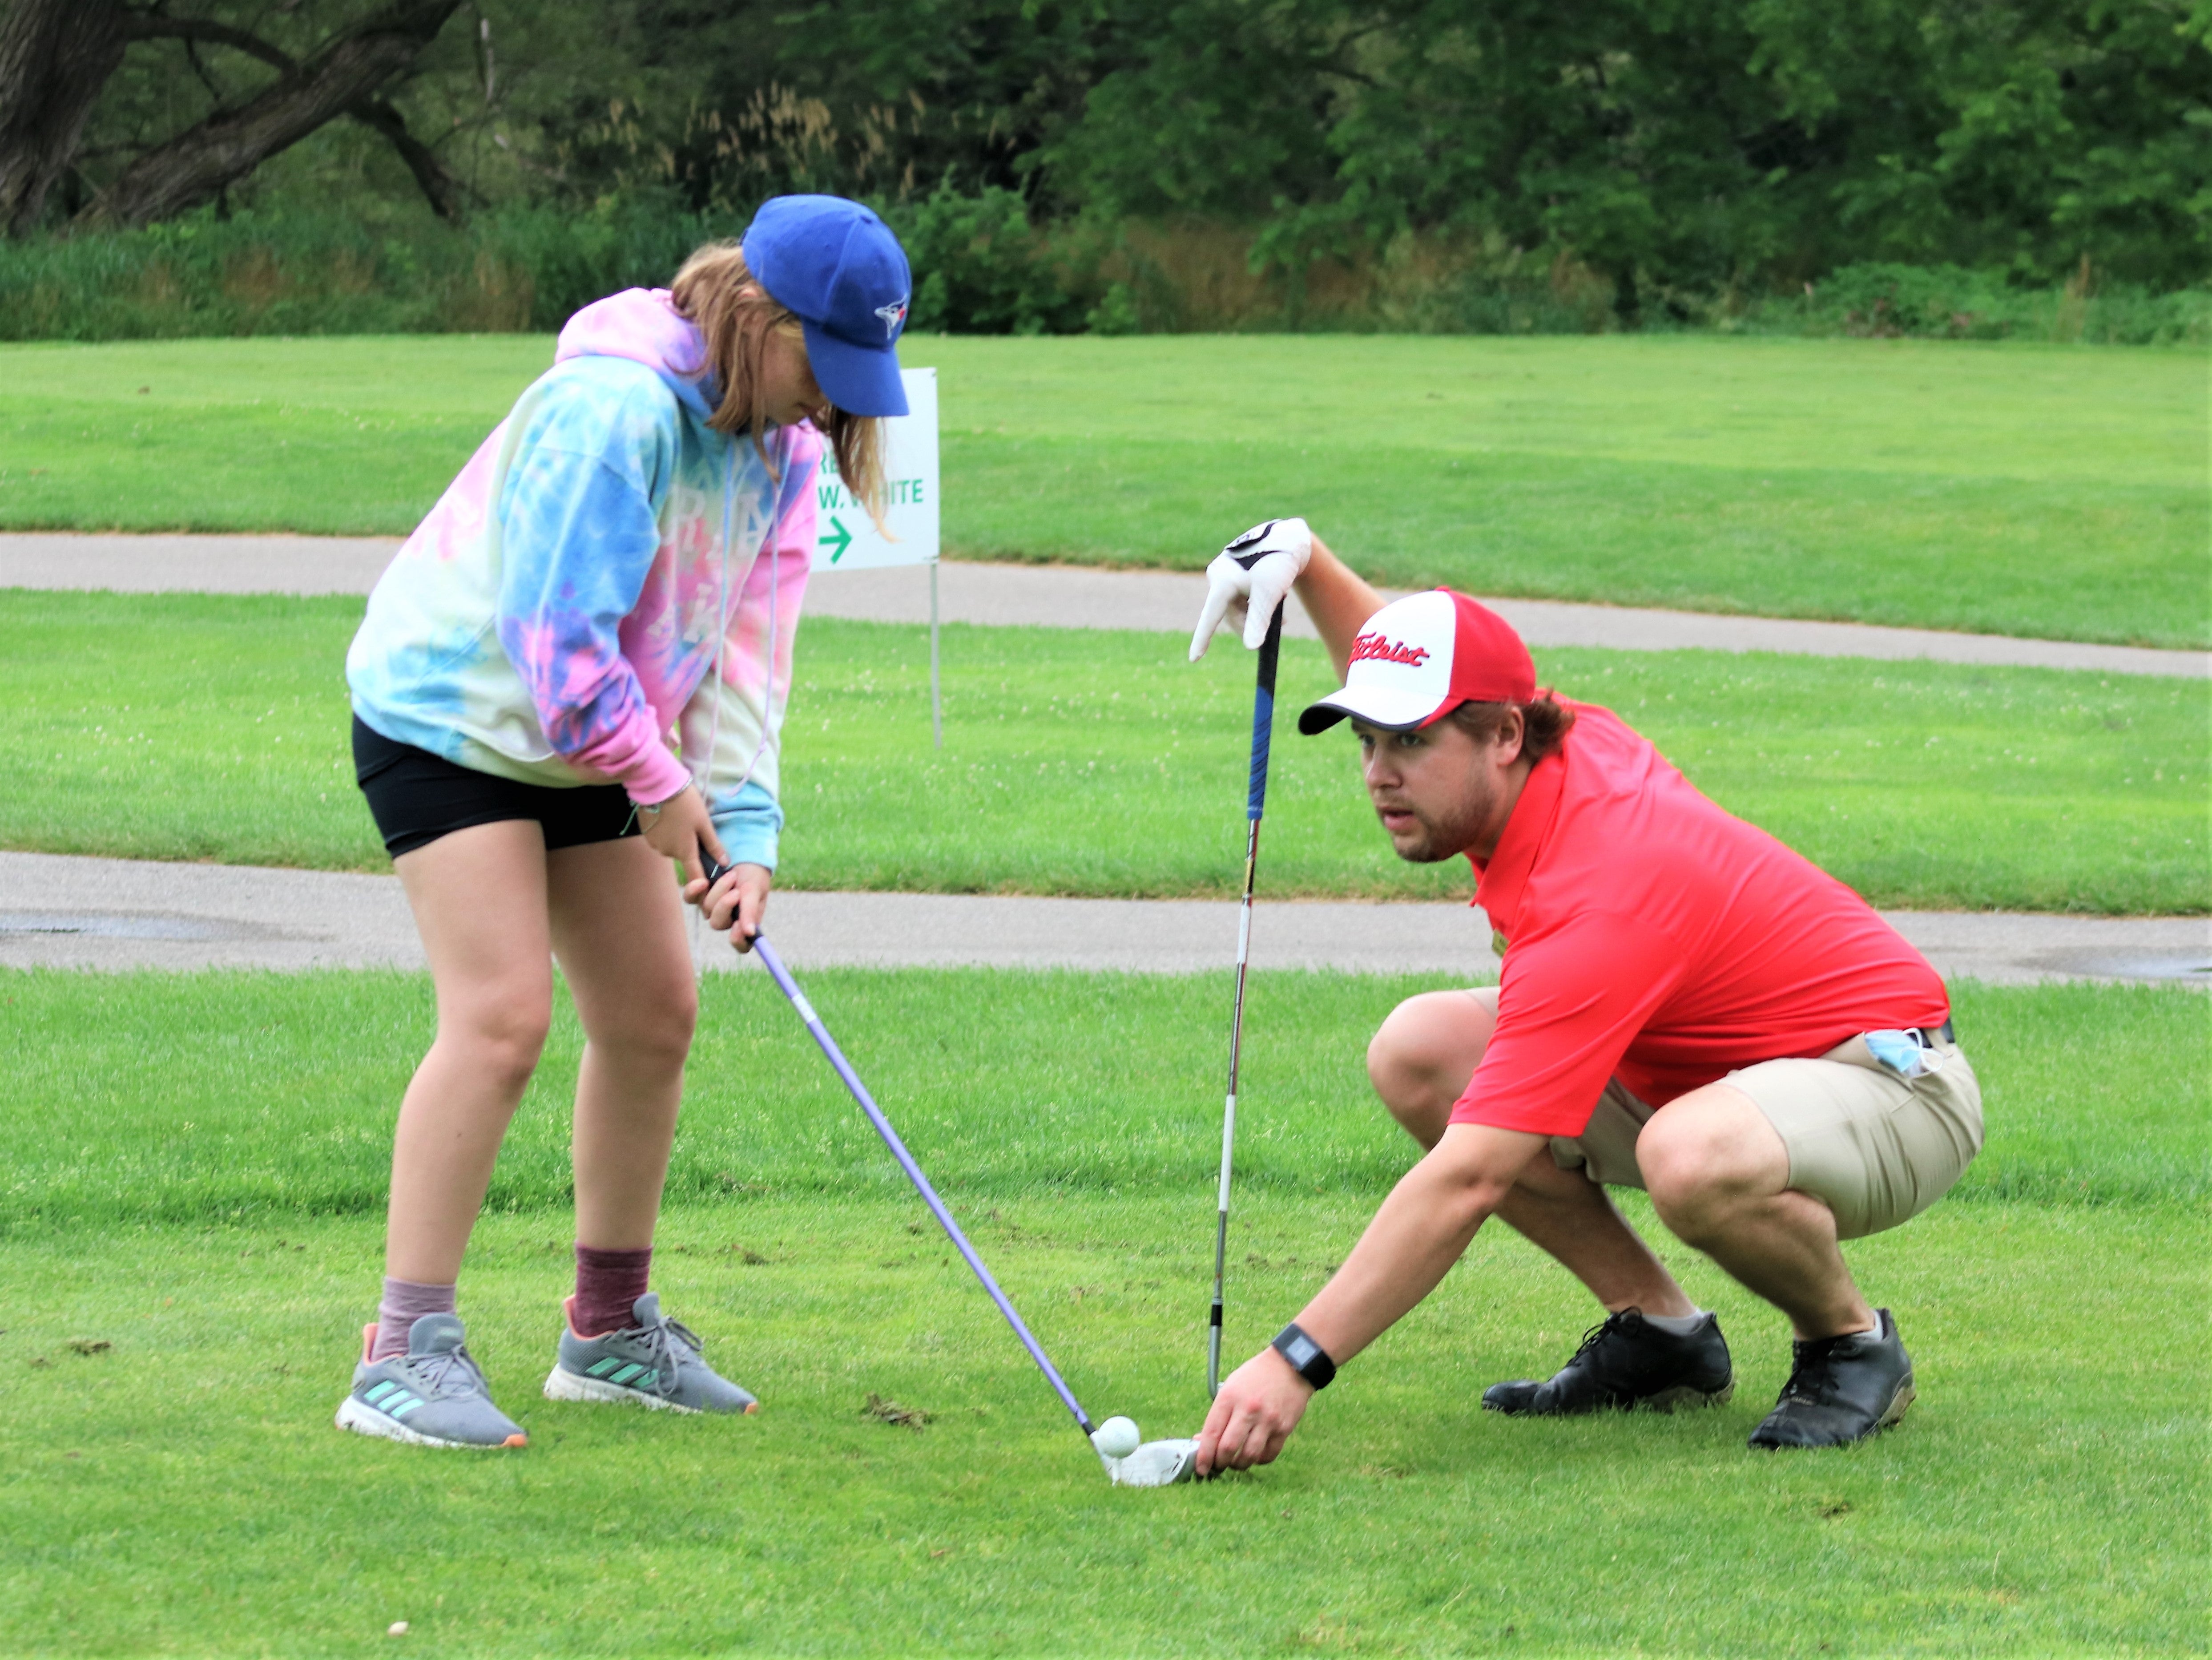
pixel 1655 938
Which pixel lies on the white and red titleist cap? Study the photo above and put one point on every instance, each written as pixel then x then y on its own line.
pixel 1421 657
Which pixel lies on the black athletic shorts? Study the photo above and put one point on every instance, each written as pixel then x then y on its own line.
pixel 416 797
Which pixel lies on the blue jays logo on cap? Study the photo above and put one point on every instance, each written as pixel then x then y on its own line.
pixel 838 267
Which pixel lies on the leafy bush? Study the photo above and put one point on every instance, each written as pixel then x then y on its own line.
pixel 201 274
pixel 295 273
pixel 982 266
pixel 1196 276
pixel 563 260
pixel 1953 302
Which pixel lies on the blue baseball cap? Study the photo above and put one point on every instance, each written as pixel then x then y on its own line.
pixel 839 269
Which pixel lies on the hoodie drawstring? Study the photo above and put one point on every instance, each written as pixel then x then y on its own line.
pixel 703 778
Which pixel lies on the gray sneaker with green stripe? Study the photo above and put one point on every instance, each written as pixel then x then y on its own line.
pixel 434 1395
pixel 654 1363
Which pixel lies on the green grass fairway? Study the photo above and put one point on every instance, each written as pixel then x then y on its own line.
pixel 1093 763
pixel 2056 491
pixel 273 1095
pixel 184 1493
pixel 193 1171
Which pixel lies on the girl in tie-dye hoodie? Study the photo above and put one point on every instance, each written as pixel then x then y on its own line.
pixel 573 672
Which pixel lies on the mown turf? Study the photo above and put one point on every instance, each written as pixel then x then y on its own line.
pixel 143 1098
pixel 184 1492
pixel 2044 490
pixel 180 1491
pixel 1094 763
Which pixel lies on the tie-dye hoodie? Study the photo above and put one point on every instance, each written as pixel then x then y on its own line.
pixel 558 614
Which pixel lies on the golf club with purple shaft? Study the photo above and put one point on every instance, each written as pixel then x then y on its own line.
pixel 1256 802
pixel 1152 1464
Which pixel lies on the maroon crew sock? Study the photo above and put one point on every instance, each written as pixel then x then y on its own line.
pixel 608 1284
pixel 404 1303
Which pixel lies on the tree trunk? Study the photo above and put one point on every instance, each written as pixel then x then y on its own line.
pixel 191 168
pixel 55 56
pixel 439 188
pixel 1627 303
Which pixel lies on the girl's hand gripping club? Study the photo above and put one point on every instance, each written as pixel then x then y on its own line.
pixel 746 901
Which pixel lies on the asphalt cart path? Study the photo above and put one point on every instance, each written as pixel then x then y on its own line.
pixel 62 912
pixel 1050 596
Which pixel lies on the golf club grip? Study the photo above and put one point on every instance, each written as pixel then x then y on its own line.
pixel 859 1091
pixel 715 873
pixel 1263 715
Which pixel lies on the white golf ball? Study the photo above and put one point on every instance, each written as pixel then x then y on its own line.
pixel 1116 1438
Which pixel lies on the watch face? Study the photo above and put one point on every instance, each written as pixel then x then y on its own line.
pixel 1302 1351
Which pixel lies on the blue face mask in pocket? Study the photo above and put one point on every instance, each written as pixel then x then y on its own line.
pixel 1902 1053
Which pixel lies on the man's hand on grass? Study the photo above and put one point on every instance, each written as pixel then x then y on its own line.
pixel 1250 578
pixel 1421 1229
pixel 1260 1404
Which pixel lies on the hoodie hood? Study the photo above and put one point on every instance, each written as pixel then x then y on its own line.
pixel 643 325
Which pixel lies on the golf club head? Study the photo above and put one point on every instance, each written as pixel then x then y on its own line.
pixel 1155 1464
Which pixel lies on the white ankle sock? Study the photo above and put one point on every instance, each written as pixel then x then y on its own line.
pixel 1677 1325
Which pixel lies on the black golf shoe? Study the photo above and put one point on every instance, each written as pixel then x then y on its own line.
pixel 1624 1363
pixel 1841 1389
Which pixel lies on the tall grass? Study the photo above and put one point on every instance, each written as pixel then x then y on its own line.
pixel 1199 277
pixel 289 273
pixel 982 267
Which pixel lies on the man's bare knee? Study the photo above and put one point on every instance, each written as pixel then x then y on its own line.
pixel 1700 1166
pixel 1422 1056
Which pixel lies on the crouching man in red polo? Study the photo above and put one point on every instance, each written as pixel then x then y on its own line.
pixel 1687 1006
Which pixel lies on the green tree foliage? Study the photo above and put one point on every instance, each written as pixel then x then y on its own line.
pixel 2021 136
pixel 1630 160
pixel 1685 144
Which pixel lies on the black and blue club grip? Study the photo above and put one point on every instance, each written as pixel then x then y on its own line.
pixel 1263 717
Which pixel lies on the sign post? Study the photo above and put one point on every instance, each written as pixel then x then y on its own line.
pixel 847 539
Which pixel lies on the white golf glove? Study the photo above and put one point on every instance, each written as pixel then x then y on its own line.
pixel 1250 581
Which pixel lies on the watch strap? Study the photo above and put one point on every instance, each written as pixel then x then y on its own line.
pixel 1307 1357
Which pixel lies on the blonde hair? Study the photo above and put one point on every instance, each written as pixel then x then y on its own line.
pixel 737 315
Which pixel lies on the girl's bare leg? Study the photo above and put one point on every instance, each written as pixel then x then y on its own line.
pixel 618 927
pixel 479 900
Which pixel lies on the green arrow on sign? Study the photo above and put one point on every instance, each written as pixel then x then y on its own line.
pixel 839 542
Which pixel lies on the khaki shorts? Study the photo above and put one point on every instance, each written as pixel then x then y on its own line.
pixel 1879 1149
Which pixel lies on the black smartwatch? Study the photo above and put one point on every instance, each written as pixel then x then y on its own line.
pixel 1307 1357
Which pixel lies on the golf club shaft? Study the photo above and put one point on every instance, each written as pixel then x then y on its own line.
pixel 1263 727
pixel 789 987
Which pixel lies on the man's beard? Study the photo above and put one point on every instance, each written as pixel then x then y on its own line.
pixel 1451 835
